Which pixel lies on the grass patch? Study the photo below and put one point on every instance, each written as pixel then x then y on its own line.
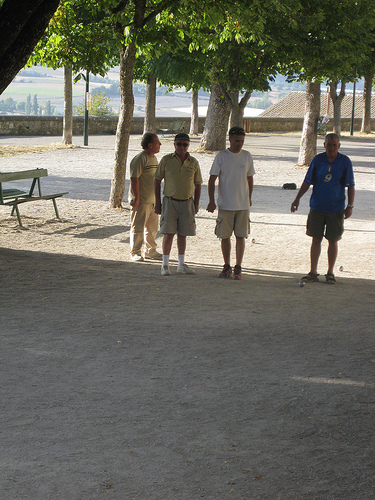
pixel 21 93
pixel 23 150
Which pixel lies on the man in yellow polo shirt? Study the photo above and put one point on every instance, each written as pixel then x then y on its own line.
pixel 143 219
pixel 182 191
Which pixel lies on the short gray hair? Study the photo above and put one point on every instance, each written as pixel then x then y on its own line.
pixel 331 135
pixel 147 139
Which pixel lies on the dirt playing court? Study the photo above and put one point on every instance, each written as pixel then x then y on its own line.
pixel 119 383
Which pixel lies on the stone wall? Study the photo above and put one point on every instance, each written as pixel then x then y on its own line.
pixel 52 125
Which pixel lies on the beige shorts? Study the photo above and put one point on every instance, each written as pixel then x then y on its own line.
pixel 177 217
pixel 232 220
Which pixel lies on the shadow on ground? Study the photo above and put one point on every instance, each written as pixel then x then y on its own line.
pixel 183 387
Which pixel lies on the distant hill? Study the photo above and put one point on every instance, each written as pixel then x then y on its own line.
pixel 48 85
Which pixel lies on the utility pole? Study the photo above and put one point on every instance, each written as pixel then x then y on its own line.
pixel 353 109
pixel 87 108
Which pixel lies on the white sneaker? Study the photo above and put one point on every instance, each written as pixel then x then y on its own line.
pixel 185 269
pixel 137 258
pixel 165 271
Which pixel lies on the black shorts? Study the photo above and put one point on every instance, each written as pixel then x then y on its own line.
pixel 320 224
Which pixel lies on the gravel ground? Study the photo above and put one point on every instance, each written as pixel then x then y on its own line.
pixel 119 383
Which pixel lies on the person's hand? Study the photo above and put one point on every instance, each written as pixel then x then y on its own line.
pixel 348 212
pixel 211 206
pixel 294 206
pixel 196 209
pixel 157 208
pixel 134 202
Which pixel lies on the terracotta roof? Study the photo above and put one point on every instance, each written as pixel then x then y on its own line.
pixel 293 106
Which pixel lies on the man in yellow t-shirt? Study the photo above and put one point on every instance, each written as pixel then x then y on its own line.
pixel 182 190
pixel 143 219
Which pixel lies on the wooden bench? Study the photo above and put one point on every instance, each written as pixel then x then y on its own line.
pixel 15 197
pixel 175 127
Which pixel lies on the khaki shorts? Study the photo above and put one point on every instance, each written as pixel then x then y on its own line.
pixel 232 220
pixel 331 226
pixel 177 217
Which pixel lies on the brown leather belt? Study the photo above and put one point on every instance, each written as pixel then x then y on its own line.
pixel 175 199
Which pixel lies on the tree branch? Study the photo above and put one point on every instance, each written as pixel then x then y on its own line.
pixel 157 11
pixel 22 24
pixel 120 6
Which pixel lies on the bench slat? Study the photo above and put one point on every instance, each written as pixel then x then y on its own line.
pixel 27 198
pixel 25 174
pixel 14 193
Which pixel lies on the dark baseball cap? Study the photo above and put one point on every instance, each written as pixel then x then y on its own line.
pixel 182 136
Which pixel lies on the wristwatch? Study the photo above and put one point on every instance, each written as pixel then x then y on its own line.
pixel 350 206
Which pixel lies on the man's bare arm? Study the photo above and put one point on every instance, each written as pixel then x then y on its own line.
pixel 211 193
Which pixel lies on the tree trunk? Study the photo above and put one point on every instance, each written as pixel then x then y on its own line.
pixel 366 116
pixel 194 121
pixel 127 60
pixel 22 24
pixel 149 123
pixel 68 106
pixel 336 101
pixel 312 110
pixel 235 119
pixel 216 125
pixel 237 107
pixel 242 105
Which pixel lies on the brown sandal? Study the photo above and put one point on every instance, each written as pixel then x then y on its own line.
pixel 330 279
pixel 310 278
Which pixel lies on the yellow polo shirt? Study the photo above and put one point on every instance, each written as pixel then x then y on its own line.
pixel 144 167
pixel 179 178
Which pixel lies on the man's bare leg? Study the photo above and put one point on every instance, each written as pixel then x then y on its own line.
pixel 167 243
pixel 315 250
pixel 240 250
pixel 226 249
pixel 332 256
pixel 181 244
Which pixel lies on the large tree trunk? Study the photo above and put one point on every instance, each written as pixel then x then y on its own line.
pixel 127 60
pixel 237 106
pixel 22 24
pixel 242 105
pixel 366 115
pixel 235 119
pixel 149 123
pixel 194 121
pixel 312 110
pixel 337 100
pixel 216 125
pixel 68 106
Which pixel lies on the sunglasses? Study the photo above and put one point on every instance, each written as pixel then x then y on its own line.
pixel 184 144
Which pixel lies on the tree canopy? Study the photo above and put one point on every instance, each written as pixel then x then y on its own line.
pixel 330 39
pixel 80 37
